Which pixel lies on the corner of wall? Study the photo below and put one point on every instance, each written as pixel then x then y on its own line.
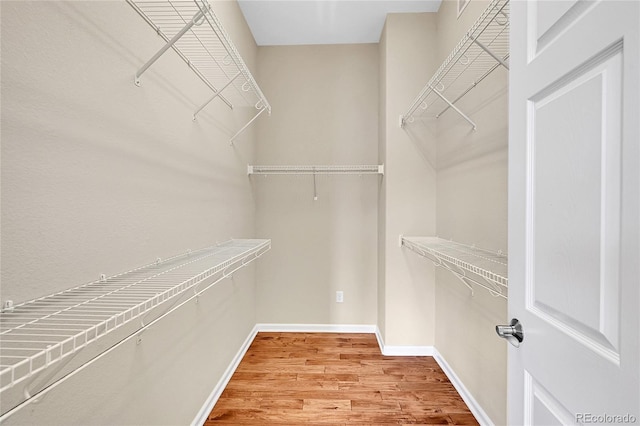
pixel 471 169
pixel 408 202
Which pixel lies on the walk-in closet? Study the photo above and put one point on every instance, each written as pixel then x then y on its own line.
pixel 319 212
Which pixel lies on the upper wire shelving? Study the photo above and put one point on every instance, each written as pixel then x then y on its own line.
pixel 193 31
pixel 470 264
pixel 483 48
pixel 36 335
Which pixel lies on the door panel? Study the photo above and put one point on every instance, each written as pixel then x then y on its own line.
pixel 574 207
pixel 548 13
pixel 548 19
pixel 574 210
pixel 541 408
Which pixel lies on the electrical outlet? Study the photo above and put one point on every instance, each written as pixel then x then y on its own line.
pixel 339 296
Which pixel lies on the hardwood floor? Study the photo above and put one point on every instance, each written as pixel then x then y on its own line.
pixel 338 379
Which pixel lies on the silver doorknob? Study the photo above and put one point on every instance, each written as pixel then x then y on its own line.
pixel 512 332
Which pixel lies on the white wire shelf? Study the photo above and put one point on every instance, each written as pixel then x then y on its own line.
pixel 316 170
pixel 483 48
pixel 488 269
pixel 192 30
pixel 37 335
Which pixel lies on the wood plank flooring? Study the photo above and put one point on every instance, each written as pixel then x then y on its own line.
pixel 337 379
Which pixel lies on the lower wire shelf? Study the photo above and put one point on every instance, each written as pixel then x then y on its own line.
pixel 470 264
pixel 36 335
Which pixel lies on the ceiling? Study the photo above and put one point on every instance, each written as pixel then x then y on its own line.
pixel 291 22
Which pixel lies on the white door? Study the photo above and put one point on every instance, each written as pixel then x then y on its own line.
pixel 574 190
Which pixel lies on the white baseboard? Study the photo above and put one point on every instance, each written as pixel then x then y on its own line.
pixel 402 350
pixel 407 350
pixel 317 328
pixel 202 415
pixel 480 415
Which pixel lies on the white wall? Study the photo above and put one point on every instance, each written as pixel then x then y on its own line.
pixel 101 176
pixel 325 111
pixel 408 204
pixel 472 209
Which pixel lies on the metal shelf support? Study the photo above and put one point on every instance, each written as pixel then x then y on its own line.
pixel 216 94
pixel 233 138
pixel 474 84
pixel 197 17
pixel 193 31
pixel 489 52
pixel 451 105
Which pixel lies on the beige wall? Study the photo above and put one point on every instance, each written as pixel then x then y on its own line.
pixel 409 191
pixel 382 195
pixel 101 176
pixel 472 209
pixel 325 111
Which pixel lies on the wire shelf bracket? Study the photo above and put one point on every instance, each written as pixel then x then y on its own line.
pixel 40 336
pixel 483 48
pixel 193 31
pixel 469 264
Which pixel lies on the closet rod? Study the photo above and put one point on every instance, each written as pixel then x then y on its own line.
pixel 377 169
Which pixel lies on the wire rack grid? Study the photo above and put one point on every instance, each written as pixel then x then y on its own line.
pixel 483 48
pixel 194 32
pixel 36 334
pixel 489 266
